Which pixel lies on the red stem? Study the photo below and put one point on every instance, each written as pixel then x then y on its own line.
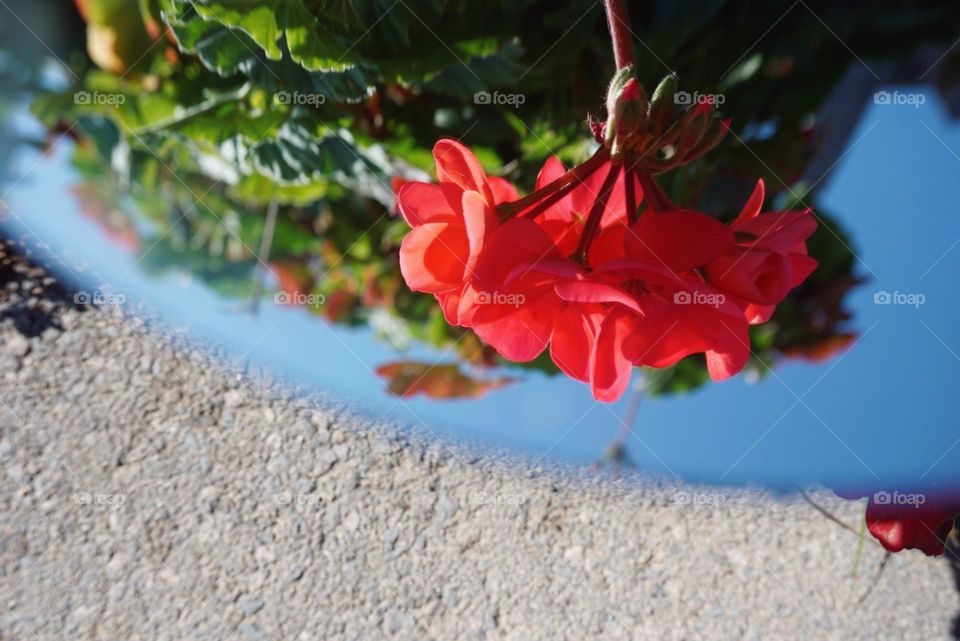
pixel 596 214
pixel 653 194
pixel 550 200
pixel 630 193
pixel 618 21
pixel 570 179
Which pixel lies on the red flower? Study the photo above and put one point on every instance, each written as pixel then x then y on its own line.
pixel 902 521
pixel 921 527
pixel 768 260
pixel 451 223
pixel 574 267
pixel 639 303
pixel 658 309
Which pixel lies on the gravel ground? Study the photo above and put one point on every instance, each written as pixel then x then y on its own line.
pixel 148 492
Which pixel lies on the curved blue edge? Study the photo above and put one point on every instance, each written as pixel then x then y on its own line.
pixel 881 415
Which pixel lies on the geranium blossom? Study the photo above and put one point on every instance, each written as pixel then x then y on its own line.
pixel 575 267
pixel 597 263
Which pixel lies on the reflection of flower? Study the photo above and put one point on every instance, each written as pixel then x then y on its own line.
pixel 577 269
pixel 409 378
pixel 820 349
pixel 97 206
pixel 291 279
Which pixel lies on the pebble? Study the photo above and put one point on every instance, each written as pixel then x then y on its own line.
pixel 391 536
pixel 252 632
pixel 250 604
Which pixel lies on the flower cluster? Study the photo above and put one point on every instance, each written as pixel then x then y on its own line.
pixel 578 268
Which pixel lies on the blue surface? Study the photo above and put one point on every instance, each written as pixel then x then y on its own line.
pixel 882 414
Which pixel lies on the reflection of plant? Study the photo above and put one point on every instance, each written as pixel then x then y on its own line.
pixel 438 381
pixel 317 107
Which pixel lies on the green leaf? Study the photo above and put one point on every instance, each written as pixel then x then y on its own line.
pixel 301 153
pixel 223 50
pixel 260 190
pixel 498 69
pixel 309 38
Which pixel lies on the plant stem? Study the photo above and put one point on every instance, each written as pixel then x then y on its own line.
pixel 195 110
pixel 653 194
pixel 630 193
pixel 570 179
pixel 263 255
pixel 550 200
pixel 618 21
pixel 596 214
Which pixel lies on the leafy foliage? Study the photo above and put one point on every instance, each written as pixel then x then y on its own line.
pixel 217 108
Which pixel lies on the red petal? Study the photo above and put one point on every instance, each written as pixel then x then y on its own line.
pixel 572 342
pixel 592 291
pixel 551 170
pixel 519 333
pixel 586 193
pixel 664 335
pixel 608 245
pixel 801 266
pixel 425 202
pixel 680 240
pixel 730 354
pixel 919 527
pixel 610 370
pixel 449 303
pixel 502 189
pixel 753 206
pixel 431 257
pixel 780 231
pixel 479 222
pixel 739 272
pixel 517 242
pixel 458 165
pixel 756 314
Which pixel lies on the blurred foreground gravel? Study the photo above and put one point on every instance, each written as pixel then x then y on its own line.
pixel 148 491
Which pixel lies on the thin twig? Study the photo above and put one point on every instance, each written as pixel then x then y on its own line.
pixel 825 513
pixel 263 254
